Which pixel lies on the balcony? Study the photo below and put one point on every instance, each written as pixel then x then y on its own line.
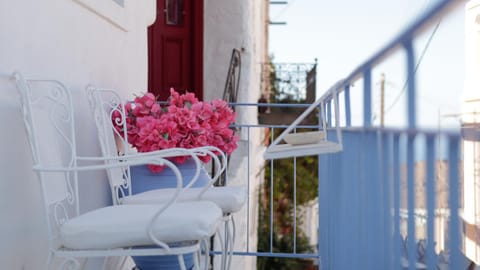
pixel 392 198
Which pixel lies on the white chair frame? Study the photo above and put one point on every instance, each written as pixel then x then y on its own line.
pixel 56 102
pixel 104 103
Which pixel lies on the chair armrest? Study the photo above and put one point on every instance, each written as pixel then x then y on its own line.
pixel 124 163
pixel 217 155
pixel 164 153
pixel 220 164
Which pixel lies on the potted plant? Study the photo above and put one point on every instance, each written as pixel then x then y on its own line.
pixel 183 121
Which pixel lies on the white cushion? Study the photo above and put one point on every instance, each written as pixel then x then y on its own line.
pixel 126 225
pixel 230 199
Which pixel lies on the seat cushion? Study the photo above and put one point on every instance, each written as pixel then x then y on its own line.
pixel 126 225
pixel 230 199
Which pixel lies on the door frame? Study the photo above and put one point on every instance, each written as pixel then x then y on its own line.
pixel 198 22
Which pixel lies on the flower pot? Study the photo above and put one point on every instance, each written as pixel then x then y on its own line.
pixel 143 180
pixel 161 262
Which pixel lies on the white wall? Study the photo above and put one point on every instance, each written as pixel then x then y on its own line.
pixel 239 24
pixel 94 41
pixel 67 41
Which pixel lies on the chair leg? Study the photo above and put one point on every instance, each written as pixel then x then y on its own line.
pixel 222 247
pixel 84 263
pixel 232 242
pixel 122 264
pixel 196 260
pixel 225 248
pixel 70 264
pixel 181 262
pixel 228 245
pixel 49 261
pixel 206 243
pixel 105 261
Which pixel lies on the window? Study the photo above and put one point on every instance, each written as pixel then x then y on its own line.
pixel 174 10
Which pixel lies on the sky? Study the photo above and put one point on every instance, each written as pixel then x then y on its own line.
pixel 342 34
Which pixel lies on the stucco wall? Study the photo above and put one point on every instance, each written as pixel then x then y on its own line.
pixel 67 41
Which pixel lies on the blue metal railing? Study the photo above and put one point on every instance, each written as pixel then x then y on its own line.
pixel 369 212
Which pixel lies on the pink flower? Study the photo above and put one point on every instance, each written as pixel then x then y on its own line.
pixel 183 122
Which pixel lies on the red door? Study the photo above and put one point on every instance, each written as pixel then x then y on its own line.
pixel 175 48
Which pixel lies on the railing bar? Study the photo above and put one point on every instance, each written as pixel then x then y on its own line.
pixel 415 131
pixel 248 189
pixel 367 97
pixel 289 105
pixel 272 131
pixel 411 203
pixel 348 113
pixel 323 117
pixel 386 184
pixel 371 191
pixel 323 230
pixel 411 92
pixel 275 126
pixel 454 230
pixel 337 174
pixel 396 201
pixel 348 202
pixel 356 195
pixel 272 255
pixel 362 204
pixel 331 214
pixel 336 103
pixel 431 257
pixel 319 203
pixel 295 203
pixel 329 113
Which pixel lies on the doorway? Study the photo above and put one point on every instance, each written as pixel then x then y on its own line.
pixel 175 48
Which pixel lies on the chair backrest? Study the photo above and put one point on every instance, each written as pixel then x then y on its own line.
pixel 48 117
pixel 107 107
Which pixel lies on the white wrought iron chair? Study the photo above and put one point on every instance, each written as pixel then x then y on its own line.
pixel 118 230
pixel 104 102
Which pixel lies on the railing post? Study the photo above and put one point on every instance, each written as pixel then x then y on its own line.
pixel 430 252
pixel 386 225
pixel 367 97
pixel 348 113
pixel 271 197
pixel 454 228
pixel 411 236
pixel 395 138
pixel 329 113
pixel 411 100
